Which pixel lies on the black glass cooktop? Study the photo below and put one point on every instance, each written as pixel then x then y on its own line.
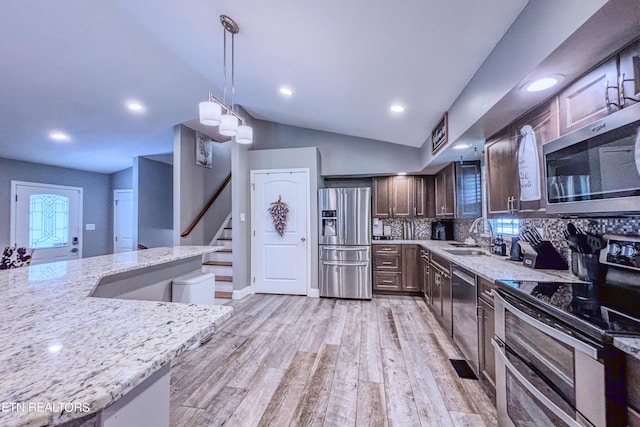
pixel 598 310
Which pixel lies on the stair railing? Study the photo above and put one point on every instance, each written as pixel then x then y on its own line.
pixel 206 207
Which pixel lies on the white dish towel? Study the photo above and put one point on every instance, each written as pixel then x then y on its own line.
pixel 528 165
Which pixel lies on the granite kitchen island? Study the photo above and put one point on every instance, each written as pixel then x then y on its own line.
pixel 66 354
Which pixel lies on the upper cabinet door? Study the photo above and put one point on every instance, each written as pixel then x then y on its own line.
pixel 500 160
pixel 544 121
pixel 403 196
pixel 381 197
pixel 586 100
pixel 630 74
pixel 445 192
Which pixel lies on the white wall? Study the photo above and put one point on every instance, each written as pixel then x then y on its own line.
pixel 194 185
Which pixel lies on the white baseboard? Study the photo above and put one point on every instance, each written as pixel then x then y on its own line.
pixel 239 294
pixel 314 293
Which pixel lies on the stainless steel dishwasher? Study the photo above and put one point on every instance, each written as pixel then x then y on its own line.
pixel 465 326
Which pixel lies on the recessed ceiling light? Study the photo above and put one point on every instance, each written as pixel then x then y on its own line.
pixel 135 106
pixel 397 108
pixel 54 348
pixel 402 173
pixel 59 136
pixel 543 83
pixel 286 91
pixel 461 146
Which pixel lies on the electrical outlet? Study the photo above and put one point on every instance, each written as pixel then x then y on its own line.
pixel 89 227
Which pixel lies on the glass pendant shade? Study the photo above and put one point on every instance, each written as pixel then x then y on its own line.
pixel 245 135
pixel 229 125
pixel 210 113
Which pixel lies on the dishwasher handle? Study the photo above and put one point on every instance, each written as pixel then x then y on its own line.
pixel 469 280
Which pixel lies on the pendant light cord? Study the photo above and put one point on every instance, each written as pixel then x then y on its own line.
pixel 233 72
pixel 224 64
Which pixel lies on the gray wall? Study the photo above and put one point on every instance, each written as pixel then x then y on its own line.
pixel 122 180
pixel 244 162
pixel 194 185
pixel 96 199
pixel 340 154
pixel 153 202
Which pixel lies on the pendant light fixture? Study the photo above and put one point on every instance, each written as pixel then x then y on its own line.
pixel 211 111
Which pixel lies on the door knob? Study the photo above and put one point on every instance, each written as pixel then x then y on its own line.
pixel 303 239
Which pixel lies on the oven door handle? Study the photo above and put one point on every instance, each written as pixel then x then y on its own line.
pixel 531 388
pixel 555 333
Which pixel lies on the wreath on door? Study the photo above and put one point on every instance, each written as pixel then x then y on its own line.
pixel 279 212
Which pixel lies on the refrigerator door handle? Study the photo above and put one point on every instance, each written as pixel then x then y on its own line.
pixel 343 217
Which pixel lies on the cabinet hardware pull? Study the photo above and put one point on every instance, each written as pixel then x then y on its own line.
pixel 387 263
pixel 387 281
pixel 621 96
pixel 415 211
pixel 607 101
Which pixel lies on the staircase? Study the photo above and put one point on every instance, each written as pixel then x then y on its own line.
pixel 220 263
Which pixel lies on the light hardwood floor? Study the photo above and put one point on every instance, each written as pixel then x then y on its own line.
pixel 290 360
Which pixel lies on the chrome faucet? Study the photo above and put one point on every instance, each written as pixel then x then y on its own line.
pixel 483 233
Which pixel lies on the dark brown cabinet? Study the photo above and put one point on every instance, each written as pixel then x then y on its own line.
pixel 589 98
pixel 544 121
pixel 400 197
pixel 500 161
pixel 486 352
pixel 410 268
pixel 630 75
pixel 381 206
pixel 396 268
pixel 501 158
pixel 445 192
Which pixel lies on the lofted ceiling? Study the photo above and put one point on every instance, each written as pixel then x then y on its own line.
pixel 72 65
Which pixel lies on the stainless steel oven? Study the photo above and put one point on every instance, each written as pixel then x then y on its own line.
pixel 596 169
pixel 546 374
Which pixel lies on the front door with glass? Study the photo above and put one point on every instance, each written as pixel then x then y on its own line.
pixel 47 218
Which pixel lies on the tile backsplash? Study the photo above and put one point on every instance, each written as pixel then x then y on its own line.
pixel 551 228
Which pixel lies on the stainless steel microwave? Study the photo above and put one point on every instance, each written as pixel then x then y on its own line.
pixel 596 169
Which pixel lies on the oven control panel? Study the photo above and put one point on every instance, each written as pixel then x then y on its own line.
pixel 622 251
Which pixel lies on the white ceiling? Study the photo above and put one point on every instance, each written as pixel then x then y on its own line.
pixel 72 64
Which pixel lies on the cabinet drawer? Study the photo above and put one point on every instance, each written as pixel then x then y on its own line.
pixel 387 262
pixel 484 289
pixel 387 249
pixel 388 281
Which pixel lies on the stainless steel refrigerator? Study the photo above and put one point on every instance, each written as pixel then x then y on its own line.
pixel 345 242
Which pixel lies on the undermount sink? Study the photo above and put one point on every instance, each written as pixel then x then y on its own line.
pixel 466 252
pixel 463 245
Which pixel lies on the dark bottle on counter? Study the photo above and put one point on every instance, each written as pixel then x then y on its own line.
pixel 499 246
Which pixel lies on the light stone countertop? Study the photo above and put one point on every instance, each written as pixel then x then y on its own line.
pixel 59 344
pixel 494 267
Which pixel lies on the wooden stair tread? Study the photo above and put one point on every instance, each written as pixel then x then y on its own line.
pixel 224 238
pixel 220 278
pixel 219 263
pixel 224 295
pixel 227 251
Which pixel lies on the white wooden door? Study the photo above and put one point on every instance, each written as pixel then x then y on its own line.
pixel 280 264
pixel 122 221
pixel 48 219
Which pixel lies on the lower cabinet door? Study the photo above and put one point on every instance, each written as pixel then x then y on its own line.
pixel 486 354
pixel 387 281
